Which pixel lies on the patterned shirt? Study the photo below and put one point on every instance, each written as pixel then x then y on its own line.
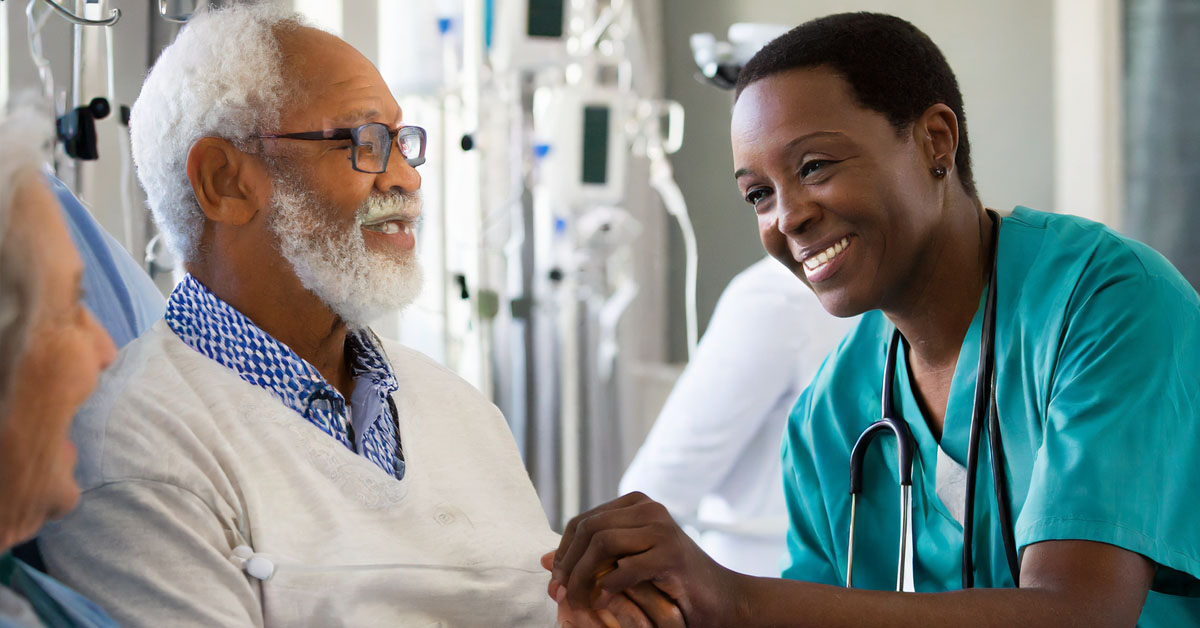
pixel 366 425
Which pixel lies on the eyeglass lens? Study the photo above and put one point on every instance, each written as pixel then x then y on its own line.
pixel 374 146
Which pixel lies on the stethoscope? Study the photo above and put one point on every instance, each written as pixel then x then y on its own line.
pixel 983 418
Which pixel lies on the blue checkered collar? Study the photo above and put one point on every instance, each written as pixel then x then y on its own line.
pixel 215 329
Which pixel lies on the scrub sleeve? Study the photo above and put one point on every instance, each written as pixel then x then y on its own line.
pixel 1122 430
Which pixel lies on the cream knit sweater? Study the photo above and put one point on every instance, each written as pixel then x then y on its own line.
pixel 182 462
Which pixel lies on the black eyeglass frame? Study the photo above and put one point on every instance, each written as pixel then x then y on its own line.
pixel 353 134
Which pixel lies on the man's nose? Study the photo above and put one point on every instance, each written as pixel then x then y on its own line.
pixel 398 175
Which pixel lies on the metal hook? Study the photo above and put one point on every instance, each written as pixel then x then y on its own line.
pixel 75 19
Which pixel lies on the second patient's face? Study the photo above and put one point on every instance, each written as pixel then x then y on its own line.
pixel 842 198
pixel 58 371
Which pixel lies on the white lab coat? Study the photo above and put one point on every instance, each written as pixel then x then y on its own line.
pixel 181 462
pixel 712 456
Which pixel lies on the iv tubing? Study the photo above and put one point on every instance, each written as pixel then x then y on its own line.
pixel 662 179
pixel 35 24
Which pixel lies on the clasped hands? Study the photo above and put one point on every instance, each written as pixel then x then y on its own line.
pixel 627 564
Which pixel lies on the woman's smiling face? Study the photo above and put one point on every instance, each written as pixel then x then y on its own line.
pixel 843 199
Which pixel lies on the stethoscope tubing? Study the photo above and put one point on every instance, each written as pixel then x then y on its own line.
pixel 905 446
pixel 984 418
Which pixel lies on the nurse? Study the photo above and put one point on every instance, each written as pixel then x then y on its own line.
pixel 850 145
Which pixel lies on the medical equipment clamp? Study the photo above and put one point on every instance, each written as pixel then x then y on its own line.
pixel 984 404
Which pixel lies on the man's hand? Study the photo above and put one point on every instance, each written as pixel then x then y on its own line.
pixel 632 542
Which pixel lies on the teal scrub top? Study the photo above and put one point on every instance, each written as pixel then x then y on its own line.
pixel 1098 395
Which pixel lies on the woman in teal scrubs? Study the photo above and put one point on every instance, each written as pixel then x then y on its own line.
pixel 851 146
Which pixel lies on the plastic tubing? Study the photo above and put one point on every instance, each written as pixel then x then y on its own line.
pixel 662 179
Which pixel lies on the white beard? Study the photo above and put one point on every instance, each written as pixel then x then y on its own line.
pixel 332 260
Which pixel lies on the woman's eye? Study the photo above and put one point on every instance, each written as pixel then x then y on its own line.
pixel 755 195
pixel 809 167
pixel 79 313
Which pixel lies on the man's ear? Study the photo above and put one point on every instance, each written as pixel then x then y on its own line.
pixel 936 134
pixel 230 186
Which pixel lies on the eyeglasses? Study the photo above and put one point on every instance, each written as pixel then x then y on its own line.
pixel 371 144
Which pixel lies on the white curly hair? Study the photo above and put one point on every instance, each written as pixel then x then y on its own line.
pixel 222 77
pixel 26 135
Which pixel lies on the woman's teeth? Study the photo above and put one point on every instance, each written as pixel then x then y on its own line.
pixel 824 257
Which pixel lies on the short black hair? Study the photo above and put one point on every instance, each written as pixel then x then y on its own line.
pixel 892 68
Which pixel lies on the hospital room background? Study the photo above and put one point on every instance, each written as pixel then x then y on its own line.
pixel 580 217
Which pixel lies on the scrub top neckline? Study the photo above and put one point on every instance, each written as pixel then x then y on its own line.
pixel 956 425
pixel 925 462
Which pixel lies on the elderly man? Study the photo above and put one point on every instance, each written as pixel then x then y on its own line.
pixel 259 457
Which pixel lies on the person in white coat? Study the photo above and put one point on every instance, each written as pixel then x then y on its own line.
pixel 712 457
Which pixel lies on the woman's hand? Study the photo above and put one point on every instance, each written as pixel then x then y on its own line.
pixel 632 542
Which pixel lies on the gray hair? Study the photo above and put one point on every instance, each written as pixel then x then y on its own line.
pixel 222 77
pixel 26 137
